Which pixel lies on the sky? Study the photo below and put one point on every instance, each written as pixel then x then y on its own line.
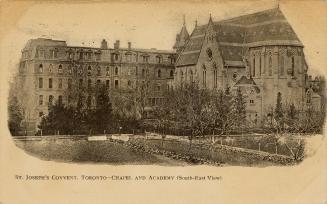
pixel 154 24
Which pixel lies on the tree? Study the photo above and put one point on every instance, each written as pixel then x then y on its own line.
pixel 80 117
pixel 16 116
pixel 239 108
pixel 101 116
pixel 224 116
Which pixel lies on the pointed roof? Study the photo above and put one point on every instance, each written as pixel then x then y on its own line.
pixel 247 82
pixel 236 35
pixel 182 37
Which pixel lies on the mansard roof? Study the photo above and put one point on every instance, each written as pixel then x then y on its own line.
pixel 44 42
pixel 235 35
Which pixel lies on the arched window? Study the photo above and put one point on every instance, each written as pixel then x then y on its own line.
pixel 159 73
pixel 171 73
pixel 89 70
pixel 182 76
pixel 293 65
pixel 40 100
pixel 116 70
pixel 282 62
pixel 40 68
pixel 50 83
pixel 56 53
pixel 60 69
pixel 270 66
pixel 50 100
pixel 158 59
pixel 204 76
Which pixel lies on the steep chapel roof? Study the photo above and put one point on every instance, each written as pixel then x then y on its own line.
pixel 236 35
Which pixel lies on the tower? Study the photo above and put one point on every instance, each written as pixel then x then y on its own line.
pixel 181 38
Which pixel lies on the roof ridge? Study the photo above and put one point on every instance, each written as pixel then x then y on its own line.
pixel 242 16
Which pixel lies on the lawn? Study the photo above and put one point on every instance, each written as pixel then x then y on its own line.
pixel 83 151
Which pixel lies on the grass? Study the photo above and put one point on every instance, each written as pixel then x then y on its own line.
pixel 85 151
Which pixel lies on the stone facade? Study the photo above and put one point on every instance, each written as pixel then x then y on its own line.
pixel 263 48
pixel 48 68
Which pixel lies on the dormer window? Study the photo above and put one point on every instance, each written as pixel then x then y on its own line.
pixel 172 59
pixel 145 59
pixel 97 56
pixel 56 53
pixel 71 55
pixel 116 57
pixel 128 57
pixel 52 53
pixel 80 55
pixel 158 59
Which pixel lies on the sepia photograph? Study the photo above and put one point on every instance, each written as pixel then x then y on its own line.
pixel 217 84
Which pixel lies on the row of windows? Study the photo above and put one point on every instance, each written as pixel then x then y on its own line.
pixel 145 58
pixel 53 53
pixel 89 71
pixel 270 70
pixel 89 83
pixel 50 100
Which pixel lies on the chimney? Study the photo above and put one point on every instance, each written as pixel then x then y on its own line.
pixel 104 44
pixel 116 45
pixel 129 45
